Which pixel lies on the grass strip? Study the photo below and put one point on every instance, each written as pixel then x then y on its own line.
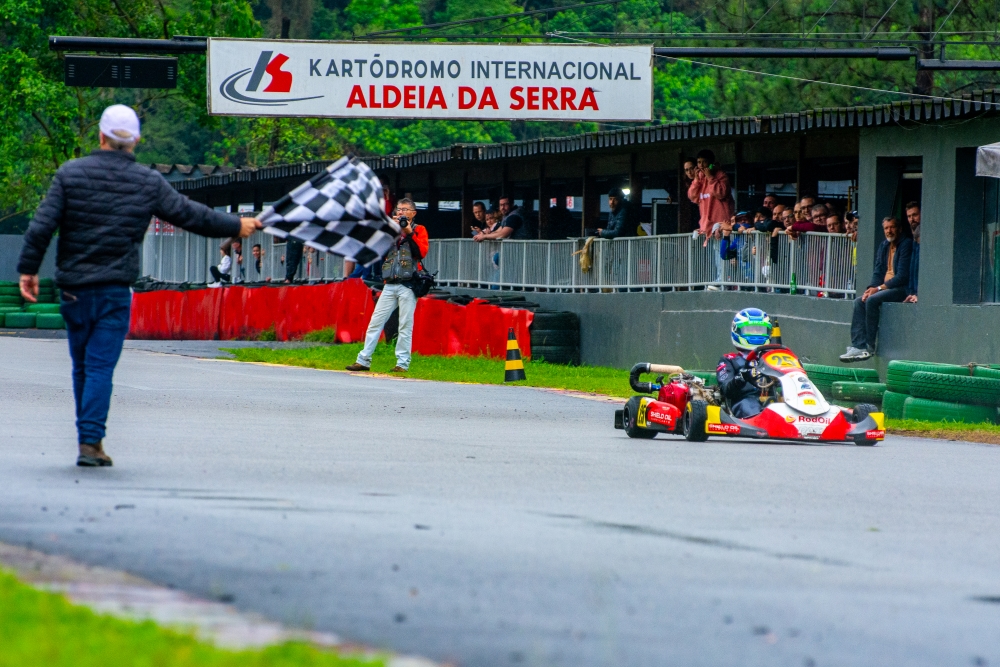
pixel 985 432
pixel 475 370
pixel 41 628
pixel 592 379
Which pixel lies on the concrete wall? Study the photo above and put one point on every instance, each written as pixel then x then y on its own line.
pixel 10 250
pixel 935 328
pixel 692 328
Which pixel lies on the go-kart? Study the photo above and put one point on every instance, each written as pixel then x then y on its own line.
pixel 793 408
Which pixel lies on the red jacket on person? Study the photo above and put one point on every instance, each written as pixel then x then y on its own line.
pixel 714 198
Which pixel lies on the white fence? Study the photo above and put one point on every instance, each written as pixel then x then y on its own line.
pixel 174 256
pixel 811 264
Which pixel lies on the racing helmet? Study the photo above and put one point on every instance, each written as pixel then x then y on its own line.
pixel 751 329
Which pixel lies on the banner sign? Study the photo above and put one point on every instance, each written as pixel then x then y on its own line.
pixel 445 81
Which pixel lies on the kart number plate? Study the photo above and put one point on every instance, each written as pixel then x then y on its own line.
pixel 781 360
pixel 728 429
pixel 878 434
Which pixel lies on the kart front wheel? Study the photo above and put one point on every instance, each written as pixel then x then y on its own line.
pixel 630 416
pixel 693 421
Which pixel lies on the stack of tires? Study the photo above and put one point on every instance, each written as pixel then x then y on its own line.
pixel 942 392
pixel 847 386
pixel 555 337
pixel 16 314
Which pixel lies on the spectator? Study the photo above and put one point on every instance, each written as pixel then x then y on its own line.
pixel 257 252
pixel 834 225
pixel 223 272
pixel 398 271
pixel 816 222
pixel 764 220
pixel 770 202
pixel 913 218
pixel 293 257
pixel 710 190
pixel 851 225
pixel 479 213
pixel 101 206
pixel 618 218
pixel 561 223
pixel 889 284
pixel 512 226
pixel 238 273
pixel 493 219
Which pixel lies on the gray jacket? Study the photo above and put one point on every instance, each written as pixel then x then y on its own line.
pixel 102 205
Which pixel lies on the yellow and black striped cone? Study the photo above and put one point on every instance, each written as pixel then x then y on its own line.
pixel 775 333
pixel 514 368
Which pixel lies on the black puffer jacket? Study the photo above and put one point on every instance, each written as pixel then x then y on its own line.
pixel 102 205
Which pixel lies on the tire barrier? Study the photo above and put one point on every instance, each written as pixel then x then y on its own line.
pixel 19 320
pixel 897 377
pixel 243 312
pixel 49 321
pixel 858 392
pixel 555 337
pixel 955 388
pixel 824 376
pixel 929 410
pixel 892 404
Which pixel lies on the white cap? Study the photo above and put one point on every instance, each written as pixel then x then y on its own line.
pixel 117 119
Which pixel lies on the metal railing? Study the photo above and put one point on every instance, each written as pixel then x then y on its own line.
pixel 172 255
pixel 813 264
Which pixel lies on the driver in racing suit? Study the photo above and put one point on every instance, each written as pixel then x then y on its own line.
pixel 738 379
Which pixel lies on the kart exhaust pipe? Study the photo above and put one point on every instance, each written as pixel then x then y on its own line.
pixel 640 368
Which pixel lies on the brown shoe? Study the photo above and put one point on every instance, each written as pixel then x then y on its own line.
pixel 92 456
pixel 399 369
pixel 358 367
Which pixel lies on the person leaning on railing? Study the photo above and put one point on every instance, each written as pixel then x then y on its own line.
pixel 618 217
pixel 513 226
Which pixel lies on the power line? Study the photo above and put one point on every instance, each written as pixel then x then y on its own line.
pixel 495 17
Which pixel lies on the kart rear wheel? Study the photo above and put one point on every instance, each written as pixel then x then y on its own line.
pixel 693 421
pixel 630 416
pixel 861 412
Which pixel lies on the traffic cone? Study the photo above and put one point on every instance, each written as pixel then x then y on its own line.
pixel 514 368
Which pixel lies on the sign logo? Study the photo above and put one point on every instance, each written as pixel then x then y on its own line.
pixel 790 419
pixel 877 434
pixel 660 417
pixel 814 420
pixel 280 82
pixel 728 429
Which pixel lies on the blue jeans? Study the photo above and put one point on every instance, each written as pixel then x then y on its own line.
pixel 97 320
pixel 864 324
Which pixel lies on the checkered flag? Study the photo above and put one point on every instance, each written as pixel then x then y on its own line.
pixel 340 210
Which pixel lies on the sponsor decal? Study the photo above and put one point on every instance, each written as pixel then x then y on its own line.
pixel 280 82
pixel 660 417
pixel 728 429
pixel 809 401
pixel 876 434
pixel 790 419
pixel 814 420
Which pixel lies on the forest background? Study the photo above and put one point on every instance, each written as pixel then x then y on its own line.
pixel 44 123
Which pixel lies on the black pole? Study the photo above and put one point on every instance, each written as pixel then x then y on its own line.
pixel 959 65
pixel 128 45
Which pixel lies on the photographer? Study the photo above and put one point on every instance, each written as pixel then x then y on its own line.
pixel 398 270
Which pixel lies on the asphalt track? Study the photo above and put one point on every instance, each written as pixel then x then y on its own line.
pixel 506 526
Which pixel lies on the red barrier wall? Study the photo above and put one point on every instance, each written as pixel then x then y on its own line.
pixel 243 312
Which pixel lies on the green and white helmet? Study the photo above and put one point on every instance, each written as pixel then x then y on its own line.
pixel 751 329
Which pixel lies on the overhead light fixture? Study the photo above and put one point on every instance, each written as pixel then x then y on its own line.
pixel 626 191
